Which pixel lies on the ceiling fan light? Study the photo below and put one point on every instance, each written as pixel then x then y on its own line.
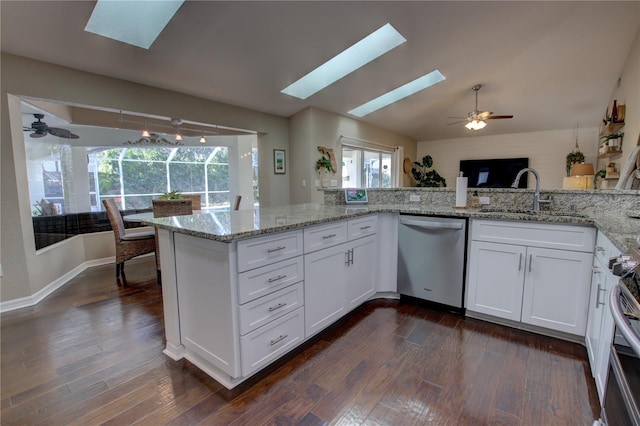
pixel 480 125
pixel 475 125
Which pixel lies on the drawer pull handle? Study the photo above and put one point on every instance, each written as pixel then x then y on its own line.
pixel 530 262
pixel 600 249
pixel 362 228
pixel 598 302
pixel 596 270
pixel 279 339
pixel 520 263
pixel 271 250
pixel 278 278
pixel 326 237
pixel 278 306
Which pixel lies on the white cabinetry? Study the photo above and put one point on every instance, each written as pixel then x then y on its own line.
pixel 341 276
pixel 533 273
pixel 600 325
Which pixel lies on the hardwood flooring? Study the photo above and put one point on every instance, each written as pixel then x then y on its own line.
pixel 91 353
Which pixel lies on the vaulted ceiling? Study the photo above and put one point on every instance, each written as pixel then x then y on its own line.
pixel 550 64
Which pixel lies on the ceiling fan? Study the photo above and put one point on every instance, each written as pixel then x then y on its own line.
pixel 476 119
pixel 41 129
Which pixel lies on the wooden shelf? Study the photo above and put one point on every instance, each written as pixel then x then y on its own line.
pixel 610 154
pixel 611 128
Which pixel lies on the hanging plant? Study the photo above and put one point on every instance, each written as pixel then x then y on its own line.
pixel 574 157
pixel 425 177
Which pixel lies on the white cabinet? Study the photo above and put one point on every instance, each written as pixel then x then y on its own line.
pixel 340 277
pixel 324 287
pixel 600 325
pixel 556 289
pixel 533 273
pixel 360 273
pixel 496 279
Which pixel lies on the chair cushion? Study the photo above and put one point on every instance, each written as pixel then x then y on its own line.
pixel 139 236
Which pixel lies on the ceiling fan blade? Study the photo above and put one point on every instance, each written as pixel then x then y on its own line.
pixel 38 134
pixel 456 122
pixel 61 133
pixel 498 117
pixel 483 115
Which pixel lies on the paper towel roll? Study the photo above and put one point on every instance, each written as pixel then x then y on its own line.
pixel 461 192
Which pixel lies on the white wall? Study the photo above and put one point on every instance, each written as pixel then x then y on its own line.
pixel 314 127
pixel 546 152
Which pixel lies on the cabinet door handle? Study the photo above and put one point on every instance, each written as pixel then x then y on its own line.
pixel 278 278
pixel 347 257
pixel 530 261
pixel 596 270
pixel 362 228
pixel 520 263
pixel 279 339
pixel 598 302
pixel 271 250
pixel 351 256
pixel 600 249
pixel 278 306
pixel 326 237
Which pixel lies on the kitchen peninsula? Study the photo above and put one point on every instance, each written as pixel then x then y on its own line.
pixel 243 288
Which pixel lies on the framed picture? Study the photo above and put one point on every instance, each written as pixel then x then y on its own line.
pixel 279 162
pixel 355 196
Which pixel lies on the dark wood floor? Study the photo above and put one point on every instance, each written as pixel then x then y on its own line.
pixel 92 354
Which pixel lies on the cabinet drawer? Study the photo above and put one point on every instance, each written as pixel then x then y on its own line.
pixel 267 279
pixel 563 237
pixel 267 343
pixel 323 236
pixel 361 227
pixel 261 251
pixel 259 312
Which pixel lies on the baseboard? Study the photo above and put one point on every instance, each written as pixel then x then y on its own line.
pixel 37 297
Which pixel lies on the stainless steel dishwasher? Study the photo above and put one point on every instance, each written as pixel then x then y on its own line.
pixel 431 259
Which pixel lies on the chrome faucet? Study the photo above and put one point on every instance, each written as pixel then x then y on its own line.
pixel 536 195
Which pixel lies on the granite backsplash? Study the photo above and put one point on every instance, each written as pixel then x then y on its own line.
pixel 564 200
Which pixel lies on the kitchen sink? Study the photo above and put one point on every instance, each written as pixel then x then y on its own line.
pixel 534 213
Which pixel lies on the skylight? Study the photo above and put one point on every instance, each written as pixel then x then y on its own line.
pixel 133 22
pixel 398 93
pixel 366 50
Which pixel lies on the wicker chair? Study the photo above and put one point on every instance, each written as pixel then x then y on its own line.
pixel 128 245
pixel 166 208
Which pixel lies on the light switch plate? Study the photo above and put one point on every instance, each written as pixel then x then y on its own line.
pixel 485 200
pixel 414 197
pixel 334 182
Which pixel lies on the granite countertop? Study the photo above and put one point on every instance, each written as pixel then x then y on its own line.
pixel 226 226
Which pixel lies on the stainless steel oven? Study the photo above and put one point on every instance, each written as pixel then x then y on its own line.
pixel 621 404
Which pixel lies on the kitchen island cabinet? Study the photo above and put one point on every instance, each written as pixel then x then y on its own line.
pixel 231 308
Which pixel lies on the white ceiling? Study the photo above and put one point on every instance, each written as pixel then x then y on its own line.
pixel 550 64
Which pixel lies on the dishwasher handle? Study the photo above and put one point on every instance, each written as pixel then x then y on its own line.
pixel 431 225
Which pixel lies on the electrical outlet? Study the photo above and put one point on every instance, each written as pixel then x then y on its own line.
pixel 334 182
pixel 414 197
pixel 484 200
pixel 304 183
pixel 317 183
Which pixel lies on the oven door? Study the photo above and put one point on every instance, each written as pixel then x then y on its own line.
pixel 622 393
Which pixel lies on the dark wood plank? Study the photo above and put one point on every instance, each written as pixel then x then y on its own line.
pixel 91 353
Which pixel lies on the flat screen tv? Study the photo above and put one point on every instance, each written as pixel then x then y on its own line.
pixel 494 173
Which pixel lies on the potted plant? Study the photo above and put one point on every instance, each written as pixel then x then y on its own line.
pixel 574 157
pixel 171 195
pixel 425 177
pixel 324 164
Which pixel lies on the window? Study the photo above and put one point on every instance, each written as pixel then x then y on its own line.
pixel 366 168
